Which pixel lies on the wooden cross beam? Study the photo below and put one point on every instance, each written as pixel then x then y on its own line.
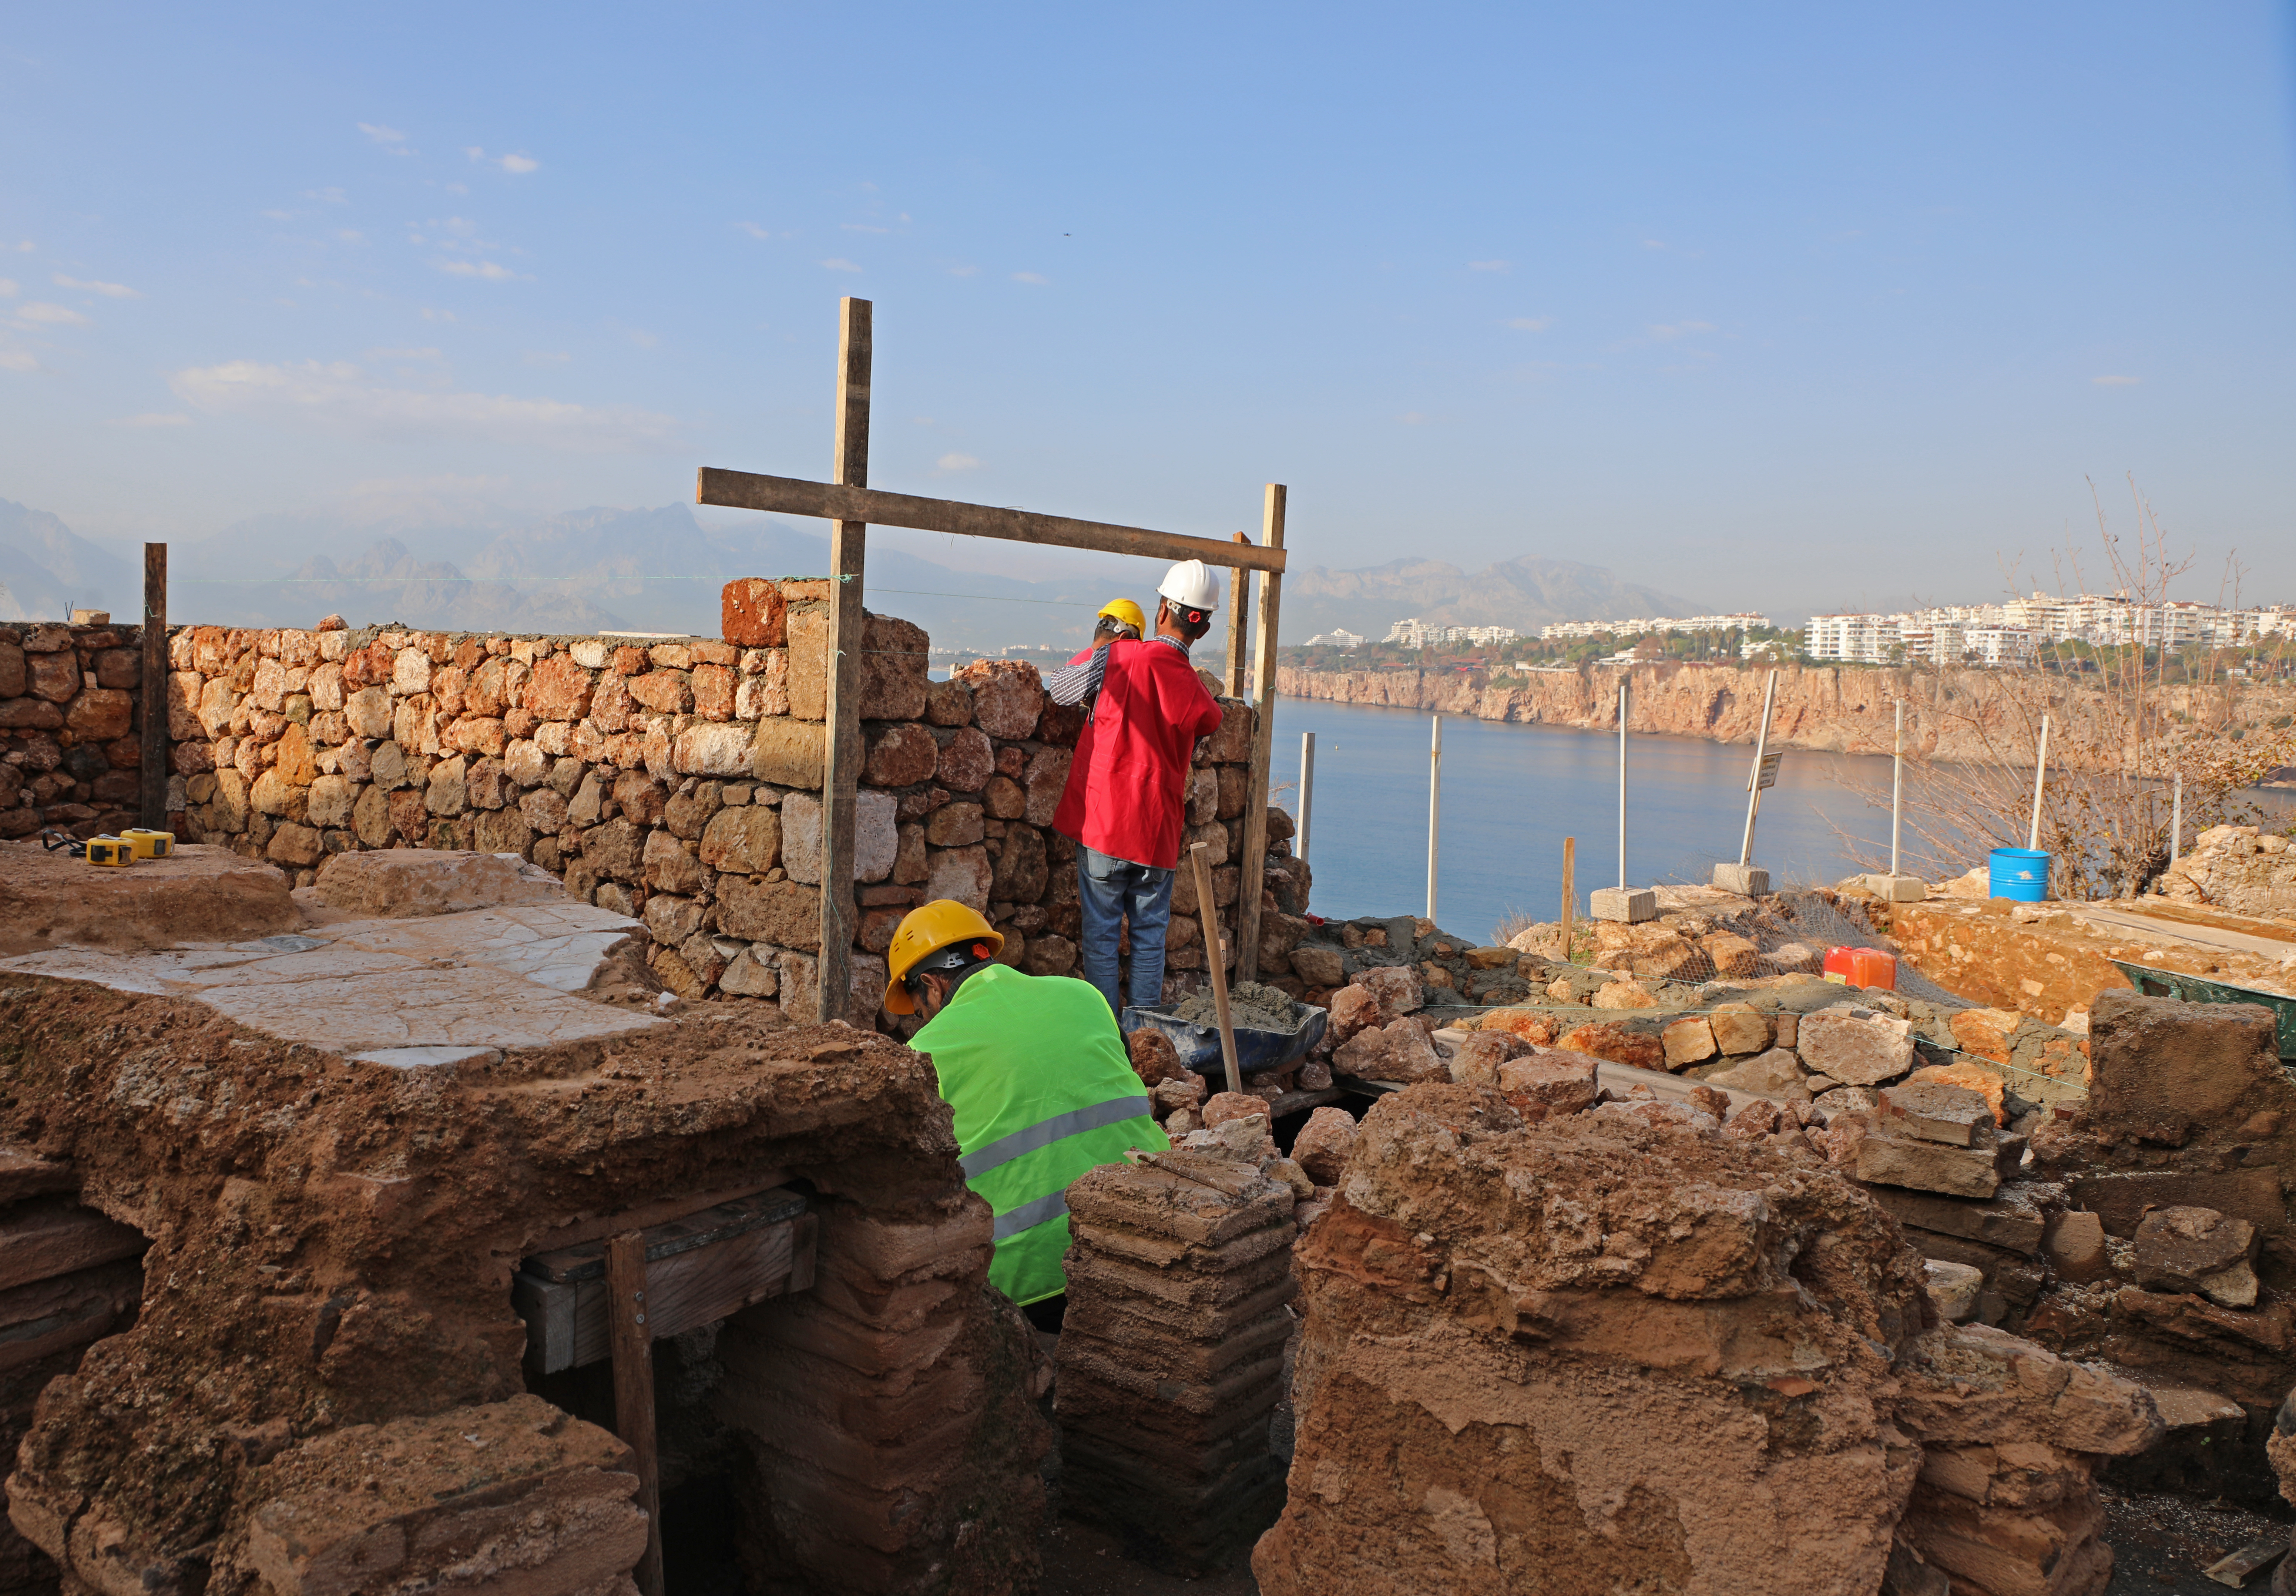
pixel 851 504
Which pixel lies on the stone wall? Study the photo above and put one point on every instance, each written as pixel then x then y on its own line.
pixel 679 781
pixel 2238 869
pixel 69 747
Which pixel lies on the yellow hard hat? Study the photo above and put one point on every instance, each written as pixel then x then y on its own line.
pixel 1128 612
pixel 926 929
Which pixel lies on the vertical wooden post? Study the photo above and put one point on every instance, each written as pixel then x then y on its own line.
pixel 1207 914
pixel 848 637
pixel 1238 626
pixel 1625 713
pixel 1247 888
pixel 1569 890
pixel 1434 803
pixel 152 758
pixel 631 1342
pixel 1307 790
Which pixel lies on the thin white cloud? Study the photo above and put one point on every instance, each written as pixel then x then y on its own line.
pixel 16 360
pixel 861 227
pixel 338 396
pixel 326 196
pixel 110 291
pixel 958 462
pixel 421 354
pixel 7 289
pixel 753 230
pixel 429 314
pixel 25 248
pixel 1032 278
pixel 964 271
pixel 156 418
pixel 838 262
pixel 1487 265
pixel 517 166
pixel 1667 333
pixel 491 270
pixel 2116 381
pixel 546 357
pixel 642 338
pixel 389 138
pixel 1531 324
pixel 350 235
pixel 54 315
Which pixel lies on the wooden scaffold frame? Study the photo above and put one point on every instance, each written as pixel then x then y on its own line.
pixel 847 502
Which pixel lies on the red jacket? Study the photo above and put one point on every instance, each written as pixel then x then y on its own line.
pixel 1127 790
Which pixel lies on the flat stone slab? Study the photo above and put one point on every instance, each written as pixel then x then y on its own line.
pixel 392 883
pixel 413 993
pixel 200 894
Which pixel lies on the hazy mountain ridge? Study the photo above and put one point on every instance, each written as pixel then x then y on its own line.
pixel 659 569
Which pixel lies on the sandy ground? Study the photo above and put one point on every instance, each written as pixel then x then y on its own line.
pixel 2161 1543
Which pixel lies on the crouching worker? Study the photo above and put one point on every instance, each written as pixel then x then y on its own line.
pixel 1037 1073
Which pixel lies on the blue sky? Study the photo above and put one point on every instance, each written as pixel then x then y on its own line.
pixel 1790 307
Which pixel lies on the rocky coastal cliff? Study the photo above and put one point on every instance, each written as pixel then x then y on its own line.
pixel 1837 708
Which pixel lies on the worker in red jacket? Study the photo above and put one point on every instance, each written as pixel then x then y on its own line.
pixel 1126 799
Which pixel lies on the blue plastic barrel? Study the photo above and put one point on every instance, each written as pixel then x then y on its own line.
pixel 2021 873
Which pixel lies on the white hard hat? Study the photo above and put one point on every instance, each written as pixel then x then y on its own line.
pixel 1191 584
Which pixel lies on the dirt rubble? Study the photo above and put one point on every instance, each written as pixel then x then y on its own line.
pixel 332 1246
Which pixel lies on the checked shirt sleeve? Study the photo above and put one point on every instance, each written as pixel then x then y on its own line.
pixel 1079 684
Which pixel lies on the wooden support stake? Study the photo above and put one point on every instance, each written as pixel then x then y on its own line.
pixel 632 1340
pixel 152 756
pixel 1569 890
pixel 1208 911
pixel 1238 625
pixel 848 637
pixel 1250 883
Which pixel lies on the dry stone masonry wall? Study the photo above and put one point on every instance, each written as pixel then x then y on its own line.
pixel 69 748
pixel 679 781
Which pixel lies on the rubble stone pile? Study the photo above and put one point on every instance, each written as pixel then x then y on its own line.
pixel 70 752
pixel 2236 867
pixel 679 781
pixel 1171 1353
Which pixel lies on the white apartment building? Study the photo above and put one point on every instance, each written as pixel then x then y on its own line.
pixel 1639 627
pixel 1863 639
pixel 1340 638
pixel 1416 634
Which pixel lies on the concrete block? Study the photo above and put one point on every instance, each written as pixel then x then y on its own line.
pixel 1747 881
pixel 1630 905
pixel 1897 890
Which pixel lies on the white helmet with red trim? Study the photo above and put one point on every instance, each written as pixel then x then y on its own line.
pixel 1192 584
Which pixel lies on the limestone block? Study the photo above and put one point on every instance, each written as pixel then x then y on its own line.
pixel 2186 1249
pixel 785 913
pixel 393 883
pixel 1747 881
pixel 712 748
pixel 540 1501
pixel 55 678
pixel 331 800
pixel 370 817
pixel 1562 1083
pixel 748 976
pixel 295 844
pixel 1625 995
pixel 948 703
pixel 1740 1028
pixel 2076 1248
pixel 961 873
pixel 1687 1041
pixel 790 753
pixel 895 666
pixel 1627 906
pixel 901 756
pixel 1396 989
pixel 1007 696
pixel 1856 1046
pixel 2171 1071
pixel 953 825
pixel 1046 778
pixel 669 868
pixel 14 674
pixel 876 840
pixel 745 841
pixel 1933 1111
pixel 410 673
pixel 100 713
pixel 1613 1040
pixel 1022 869
pixel 1476 1060
pixel 752 613
pixel 271 794
pixel 1927 1167
pixel 1399 1051
pixel 1954 1288
pixel 448 792
pixel 1318 964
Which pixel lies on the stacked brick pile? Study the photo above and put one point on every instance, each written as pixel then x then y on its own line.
pixel 678 780
pixel 1171 1355
pixel 69 751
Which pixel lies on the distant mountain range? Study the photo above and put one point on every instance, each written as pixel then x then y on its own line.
pixel 660 570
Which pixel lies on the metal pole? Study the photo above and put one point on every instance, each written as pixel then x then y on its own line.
pixel 1898 790
pixel 1569 890
pixel 1754 783
pixel 1434 807
pixel 2176 819
pixel 1624 705
pixel 2040 773
pixel 1307 788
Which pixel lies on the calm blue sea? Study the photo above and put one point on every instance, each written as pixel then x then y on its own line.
pixel 1511 795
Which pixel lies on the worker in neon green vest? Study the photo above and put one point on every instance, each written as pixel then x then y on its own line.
pixel 1037 1073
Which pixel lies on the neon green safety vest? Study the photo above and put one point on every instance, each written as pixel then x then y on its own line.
pixel 1037 1072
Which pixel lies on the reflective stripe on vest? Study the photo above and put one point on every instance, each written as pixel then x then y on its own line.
pixel 1028 1139
pixel 1029 1216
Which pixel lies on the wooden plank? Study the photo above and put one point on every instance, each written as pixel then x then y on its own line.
pixel 792 495
pixel 840 773
pixel 1208 913
pixel 632 1338
pixel 1238 626
pixel 693 1289
pixel 586 1260
pixel 1249 890
pixel 599 1226
pixel 152 752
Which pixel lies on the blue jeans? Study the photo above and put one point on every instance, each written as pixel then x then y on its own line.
pixel 1110 892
